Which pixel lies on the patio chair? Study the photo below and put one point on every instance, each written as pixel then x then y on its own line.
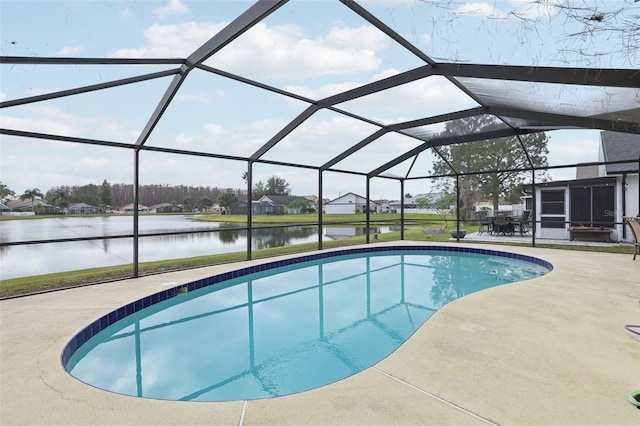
pixel 485 224
pixel 523 225
pixel 634 224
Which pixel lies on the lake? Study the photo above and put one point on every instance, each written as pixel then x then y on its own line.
pixel 37 259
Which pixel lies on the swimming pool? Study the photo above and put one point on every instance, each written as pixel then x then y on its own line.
pixel 282 327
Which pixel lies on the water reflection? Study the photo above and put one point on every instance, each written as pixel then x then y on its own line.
pixel 273 334
pixel 36 259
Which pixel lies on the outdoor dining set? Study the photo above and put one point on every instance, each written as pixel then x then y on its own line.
pixel 503 222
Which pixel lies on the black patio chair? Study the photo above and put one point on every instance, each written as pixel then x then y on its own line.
pixel 485 224
pixel 523 225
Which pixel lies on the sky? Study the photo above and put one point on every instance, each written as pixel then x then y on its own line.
pixel 310 48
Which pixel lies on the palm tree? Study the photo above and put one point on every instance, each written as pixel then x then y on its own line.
pixel 31 194
pixel 187 203
pixel 61 198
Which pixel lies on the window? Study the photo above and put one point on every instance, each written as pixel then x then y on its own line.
pixel 593 206
pixel 552 208
pixel 552 202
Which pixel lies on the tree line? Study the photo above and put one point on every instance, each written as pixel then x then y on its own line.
pixel 119 194
pixel 113 196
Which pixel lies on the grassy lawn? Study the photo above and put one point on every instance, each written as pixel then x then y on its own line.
pixel 413 232
pixel 426 219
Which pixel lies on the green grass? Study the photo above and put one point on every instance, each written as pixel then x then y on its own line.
pixel 326 218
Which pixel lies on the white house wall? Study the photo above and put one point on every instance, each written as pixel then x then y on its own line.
pixel 340 208
pixel 348 204
pixel 632 207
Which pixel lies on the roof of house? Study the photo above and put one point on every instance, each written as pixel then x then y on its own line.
pixel 433 196
pixel 620 146
pixel 600 181
pixel 27 202
pixel 130 206
pixel 284 200
pixel 357 197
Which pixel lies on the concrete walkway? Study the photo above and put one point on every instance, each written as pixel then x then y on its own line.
pixel 549 351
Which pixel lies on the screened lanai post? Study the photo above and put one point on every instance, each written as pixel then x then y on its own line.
pixel 402 209
pixel 533 179
pixel 249 208
pixel 624 204
pixel 320 210
pixel 136 199
pixel 532 216
pixel 457 207
pixel 367 213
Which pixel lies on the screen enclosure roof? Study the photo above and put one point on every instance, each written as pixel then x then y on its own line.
pixel 376 82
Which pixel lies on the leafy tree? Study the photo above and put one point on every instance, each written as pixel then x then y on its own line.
pixel 205 202
pixel 258 190
pixel 302 206
pixel 88 194
pixel 226 200
pixel 441 203
pixel 38 208
pixel 408 195
pixel 494 154
pixel 187 203
pixel 61 198
pixel 277 186
pixel 6 194
pixel 31 194
pixel 105 194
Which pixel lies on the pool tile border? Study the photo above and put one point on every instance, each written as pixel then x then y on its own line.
pixel 105 321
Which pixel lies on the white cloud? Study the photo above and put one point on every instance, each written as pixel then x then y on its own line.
pixel 363 37
pixel 111 130
pixel 201 98
pixel 69 51
pixel 174 6
pixel 49 120
pixel 327 90
pixel 241 140
pixel 279 51
pixel 61 163
pixel 3 96
pixel 406 3
pixel 53 120
pixel 125 13
pixel 422 98
pixel 533 9
pixel 183 141
pixel 526 9
pixel 479 9
pixel 214 130
pixel 178 40
pixel 322 91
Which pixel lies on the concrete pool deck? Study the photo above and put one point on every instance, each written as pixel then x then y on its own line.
pixel 548 351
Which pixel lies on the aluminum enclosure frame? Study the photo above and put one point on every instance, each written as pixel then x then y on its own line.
pixel 533 120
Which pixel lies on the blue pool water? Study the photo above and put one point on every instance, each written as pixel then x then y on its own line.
pixel 284 327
